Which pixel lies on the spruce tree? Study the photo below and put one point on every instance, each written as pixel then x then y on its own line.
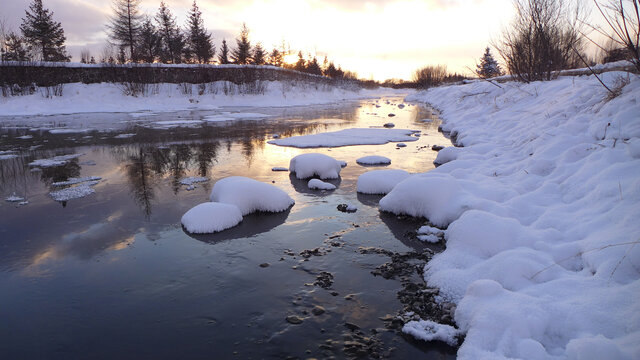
pixel 276 58
pixel 171 40
pixel 313 67
pixel 301 65
pixel 242 53
pixel 259 55
pixel 223 57
pixel 488 66
pixel 15 49
pixel 199 40
pixel 43 34
pixel 148 42
pixel 124 26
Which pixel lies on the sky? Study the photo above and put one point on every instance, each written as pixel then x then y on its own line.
pixel 378 39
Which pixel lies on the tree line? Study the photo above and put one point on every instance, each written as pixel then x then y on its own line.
pixel 140 38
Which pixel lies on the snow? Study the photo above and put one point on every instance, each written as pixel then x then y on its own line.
pixel 447 154
pixel 317 184
pixel 14 198
pixel 123 136
pixel 109 98
pixel 346 137
pixel 8 156
pixel 211 217
pixel 227 116
pixel 380 181
pixel 314 164
pixel 68 131
pixel 193 180
pixel 55 161
pixel 76 192
pixel 373 160
pixel 429 331
pixel 541 205
pixel 250 195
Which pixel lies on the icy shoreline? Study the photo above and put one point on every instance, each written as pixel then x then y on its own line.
pixel 110 97
pixel 541 205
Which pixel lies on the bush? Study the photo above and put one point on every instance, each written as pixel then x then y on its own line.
pixel 429 76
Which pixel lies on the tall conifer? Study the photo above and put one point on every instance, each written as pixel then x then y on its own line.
pixel 43 34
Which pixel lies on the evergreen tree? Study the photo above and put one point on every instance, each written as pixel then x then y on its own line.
pixel 92 60
pixel 301 65
pixel 43 34
pixel 276 58
pixel 242 53
pixel 171 40
pixel 259 54
pixel 15 49
pixel 199 41
pixel 122 55
pixel 124 26
pixel 488 66
pixel 313 67
pixel 223 57
pixel 148 42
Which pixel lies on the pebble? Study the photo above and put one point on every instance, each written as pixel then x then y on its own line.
pixel 292 319
pixel 318 310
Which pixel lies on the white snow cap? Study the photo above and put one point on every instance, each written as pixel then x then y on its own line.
pixel 355 136
pixel 211 217
pixel 314 164
pixel 429 331
pixel 250 195
pixel 318 184
pixel 380 181
pixel 374 160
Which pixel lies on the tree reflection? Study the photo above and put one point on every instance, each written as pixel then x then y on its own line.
pixel 141 179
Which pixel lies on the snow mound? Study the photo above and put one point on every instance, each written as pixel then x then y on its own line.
pixel 211 217
pixel 346 137
pixel 250 195
pixel 193 180
pixel 55 161
pixel 430 331
pixel 447 154
pixel 380 181
pixel 317 184
pixel 430 234
pixel 373 160
pixel 314 164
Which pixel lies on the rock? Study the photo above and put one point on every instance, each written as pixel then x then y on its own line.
pixel 318 310
pixel 347 208
pixel 264 265
pixel 292 319
pixel 401 106
pixel 349 296
pixel 351 326
pixel 437 147
pixel 389 125
pixel 391 115
pixel 401 145
pixel 324 280
pixel 334 293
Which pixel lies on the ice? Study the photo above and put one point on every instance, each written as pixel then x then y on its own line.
pixel 68 131
pixel 193 180
pixel 279 168
pixel 211 217
pixel 429 331
pixel 73 181
pixel 123 136
pixel 8 156
pixel 346 137
pixel 380 181
pixel 317 184
pixel 314 164
pixel 250 195
pixel 76 192
pixel 228 116
pixel 55 161
pixel 14 198
pixel 541 205
pixel 373 160
pixel 176 123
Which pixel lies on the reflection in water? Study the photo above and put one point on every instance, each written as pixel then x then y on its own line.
pixel 301 185
pixel 142 178
pixel 369 199
pixel 251 225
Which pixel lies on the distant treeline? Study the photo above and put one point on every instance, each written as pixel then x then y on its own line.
pixel 139 38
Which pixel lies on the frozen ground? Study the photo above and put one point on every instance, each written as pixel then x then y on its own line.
pixel 542 207
pixel 108 97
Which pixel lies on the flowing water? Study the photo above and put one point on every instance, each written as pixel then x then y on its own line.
pixel 113 274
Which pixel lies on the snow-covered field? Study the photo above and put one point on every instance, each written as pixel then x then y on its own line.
pixel 109 97
pixel 542 207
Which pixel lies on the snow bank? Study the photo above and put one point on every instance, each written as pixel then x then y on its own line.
pixel 211 217
pixel 317 184
pixel 346 137
pixel 380 181
pixel 542 204
pixel 250 195
pixel 314 164
pixel 374 160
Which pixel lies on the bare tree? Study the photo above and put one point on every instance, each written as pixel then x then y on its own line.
pixel 429 76
pixel 544 37
pixel 623 20
pixel 124 25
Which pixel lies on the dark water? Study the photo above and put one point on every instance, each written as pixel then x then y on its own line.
pixel 113 275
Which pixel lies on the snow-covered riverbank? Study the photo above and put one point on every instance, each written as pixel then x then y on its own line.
pixel 110 97
pixel 542 207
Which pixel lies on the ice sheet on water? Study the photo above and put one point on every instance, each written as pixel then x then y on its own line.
pixel 75 192
pixel 193 180
pixel 73 181
pixel 346 137
pixel 54 161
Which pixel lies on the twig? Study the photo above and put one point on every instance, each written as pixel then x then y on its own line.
pixel 590 69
